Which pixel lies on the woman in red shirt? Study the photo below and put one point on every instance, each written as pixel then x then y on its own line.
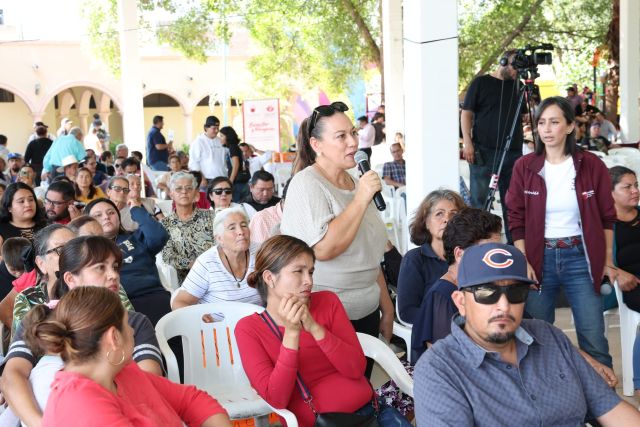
pixel 99 384
pixel 315 341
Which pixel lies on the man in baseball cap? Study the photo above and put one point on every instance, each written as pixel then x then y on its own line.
pixel 498 369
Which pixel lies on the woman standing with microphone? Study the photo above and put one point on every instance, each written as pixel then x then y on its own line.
pixel 335 215
pixel 561 215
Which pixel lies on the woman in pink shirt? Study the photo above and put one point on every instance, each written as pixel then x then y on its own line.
pixel 304 335
pixel 100 385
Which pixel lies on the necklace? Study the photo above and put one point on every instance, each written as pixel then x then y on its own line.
pixel 246 266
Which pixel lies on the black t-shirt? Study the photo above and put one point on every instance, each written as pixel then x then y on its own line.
pixel 483 98
pixel 628 245
pixel 36 150
pixel 243 174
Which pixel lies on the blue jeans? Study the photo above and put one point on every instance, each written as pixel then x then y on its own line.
pixel 159 166
pixel 388 416
pixel 480 177
pixel 240 192
pixel 568 268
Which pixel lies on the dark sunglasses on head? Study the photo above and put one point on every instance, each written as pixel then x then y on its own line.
pixel 325 111
pixel 219 191
pixel 490 293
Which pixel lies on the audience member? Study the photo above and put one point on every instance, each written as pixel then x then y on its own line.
pixel 98 177
pixel 99 375
pixel 86 225
pixel 4 151
pixel 607 130
pixel 135 197
pixel 304 336
pixel 256 158
pixel 65 127
pixel 157 146
pixel 37 149
pixel 63 147
pixel 69 167
pixel 27 175
pixel 118 192
pixel 4 179
pixel 190 229
pixel 266 223
pixel 485 119
pixel 572 96
pixel 422 266
pixel 86 191
pixel 137 155
pixel 366 135
pixel 508 358
pixel 162 183
pixel 122 151
pixel 15 163
pixel 131 166
pixel 11 267
pixel 201 200
pixel 262 193
pixel 184 159
pixel 106 160
pixel 220 273
pixel 560 204
pixel 59 203
pixel 237 169
pixel 219 193
pixel 335 215
pixel 394 173
pixel 139 249
pixel 468 227
pixel 20 214
pixel 206 153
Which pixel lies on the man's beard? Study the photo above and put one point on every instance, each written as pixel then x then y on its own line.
pixel 500 337
pixel 505 73
pixel 15 169
pixel 57 217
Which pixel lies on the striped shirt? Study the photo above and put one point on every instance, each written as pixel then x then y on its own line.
pixel 209 280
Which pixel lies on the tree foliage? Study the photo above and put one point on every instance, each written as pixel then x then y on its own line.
pixel 575 27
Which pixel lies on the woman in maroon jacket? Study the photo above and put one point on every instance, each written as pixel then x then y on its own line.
pixel 561 215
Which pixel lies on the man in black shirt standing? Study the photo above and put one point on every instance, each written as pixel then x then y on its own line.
pixel 487 114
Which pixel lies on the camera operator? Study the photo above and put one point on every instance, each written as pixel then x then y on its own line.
pixel 488 108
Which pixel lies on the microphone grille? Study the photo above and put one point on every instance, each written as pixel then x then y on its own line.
pixel 360 157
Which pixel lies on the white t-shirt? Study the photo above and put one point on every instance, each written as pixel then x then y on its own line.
pixel 208 156
pixel 257 162
pixel 562 213
pixel 366 136
pixel 209 280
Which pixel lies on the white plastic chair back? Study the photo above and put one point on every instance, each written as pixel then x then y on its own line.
pixel 403 331
pixel 165 206
pixel 168 274
pixel 283 173
pixel 211 356
pixel 626 151
pixel 629 320
pixel 388 361
pixel 599 154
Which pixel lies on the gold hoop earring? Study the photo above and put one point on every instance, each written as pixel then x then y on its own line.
pixel 114 363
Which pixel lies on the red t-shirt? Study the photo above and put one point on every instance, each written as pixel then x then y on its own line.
pixel 143 399
pixel 332 368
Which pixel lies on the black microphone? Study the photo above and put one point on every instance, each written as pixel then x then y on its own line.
pixel 363 165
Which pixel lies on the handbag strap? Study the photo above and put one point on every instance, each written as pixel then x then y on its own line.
pixel 302 387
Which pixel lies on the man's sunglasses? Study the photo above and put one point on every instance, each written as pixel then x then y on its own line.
pixel 490 293
pixel 325 111
pixel 219 191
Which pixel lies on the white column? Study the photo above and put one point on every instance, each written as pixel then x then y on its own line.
pixel 630 70
pixel 188 128
pixel 84 122
pixel 393 67
pixel 131 77
pixel 430 97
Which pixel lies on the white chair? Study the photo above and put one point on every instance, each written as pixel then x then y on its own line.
pixel 388 361
pixel 626 151
pixel 403 331
pixel 599 154
pixel 212 359
pixel 168 274
pixel 629 320
pixel 165 206
pixel 283 173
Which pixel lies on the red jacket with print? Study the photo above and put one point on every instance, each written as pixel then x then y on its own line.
pixel 526 203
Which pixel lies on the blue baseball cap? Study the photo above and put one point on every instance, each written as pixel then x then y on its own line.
pixel 14 156
pixel 489 262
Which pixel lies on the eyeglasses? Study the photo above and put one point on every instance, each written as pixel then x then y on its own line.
pixel 54 203
pixel 57 250
pixel 490 293
pixel 119 189
pixel 219 191
pixel 183 189
pixel 325 111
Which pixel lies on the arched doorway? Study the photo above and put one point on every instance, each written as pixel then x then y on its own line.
pixel 17 120
pixel 167 106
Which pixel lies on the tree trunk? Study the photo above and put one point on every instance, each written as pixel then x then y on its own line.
pixel 365 33
pixel 613 64
pixel 491 58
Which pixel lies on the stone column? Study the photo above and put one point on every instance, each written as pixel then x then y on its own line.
pixel 430 97
pixel 630 70
pixel 131 77
pixel 393 67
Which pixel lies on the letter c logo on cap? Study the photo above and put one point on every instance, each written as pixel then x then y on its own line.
pixel 487 258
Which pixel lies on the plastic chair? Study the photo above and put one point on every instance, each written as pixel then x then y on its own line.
pixel 629 320
pixel 168 274
pixel 386 358
pixel 626 151
pixel 212 359
pixel 165 206
pixel 403 330
pixel 283 173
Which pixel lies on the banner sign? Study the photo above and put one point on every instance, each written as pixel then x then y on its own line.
pixel 261 122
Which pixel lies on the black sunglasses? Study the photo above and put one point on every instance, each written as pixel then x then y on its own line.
pixel 219 191
pixel 490 293
pixel 325 111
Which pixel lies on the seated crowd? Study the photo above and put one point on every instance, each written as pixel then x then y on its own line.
pixel 81 234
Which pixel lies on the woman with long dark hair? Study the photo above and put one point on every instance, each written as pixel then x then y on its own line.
pixel 561 216
pixel 238 169
pixel 20 213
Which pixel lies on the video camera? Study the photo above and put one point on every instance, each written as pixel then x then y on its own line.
pixel 526 61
